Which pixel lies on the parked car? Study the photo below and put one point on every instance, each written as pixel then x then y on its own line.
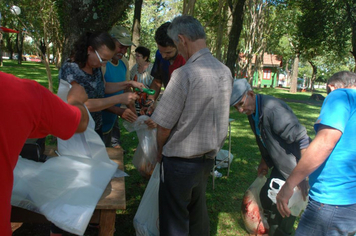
pixel 33 58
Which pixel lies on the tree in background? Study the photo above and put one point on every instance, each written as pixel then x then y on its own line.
pixel 237 9
pixel 136 29
pixel 79 16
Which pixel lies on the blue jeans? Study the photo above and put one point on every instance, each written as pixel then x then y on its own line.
pixel 327 220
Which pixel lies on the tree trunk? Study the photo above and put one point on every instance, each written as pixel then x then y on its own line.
pixel 288 73
pixel 220 32
pixel 136 29
pixel 19 45
pixel 235 32
pixel 351 13
pixel 294 81
pixel 188 7
pixel 1 40
pixel 48 71
pixel 80 16
pixel 313 78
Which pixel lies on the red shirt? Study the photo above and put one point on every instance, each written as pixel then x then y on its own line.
pixel 28 110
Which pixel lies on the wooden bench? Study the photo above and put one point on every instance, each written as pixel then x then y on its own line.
pixel 112 199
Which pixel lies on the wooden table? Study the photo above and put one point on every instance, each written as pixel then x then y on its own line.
pixel 112 199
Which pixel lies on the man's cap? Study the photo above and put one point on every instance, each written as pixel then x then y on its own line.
pixel 122 35
pixel 239 88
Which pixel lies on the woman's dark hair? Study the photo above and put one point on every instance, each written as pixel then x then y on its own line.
pixel 96 40
pixel 161 36
pixel 144 51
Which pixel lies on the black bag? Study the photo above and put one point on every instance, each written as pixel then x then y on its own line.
pixel 34 150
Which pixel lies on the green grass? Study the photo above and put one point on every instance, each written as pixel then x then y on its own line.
pixel 224 202
pixel 31 70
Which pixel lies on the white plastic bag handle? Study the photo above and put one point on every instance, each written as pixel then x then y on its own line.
pixel 296 203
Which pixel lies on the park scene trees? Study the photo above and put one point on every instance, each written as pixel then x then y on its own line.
pixel 312 39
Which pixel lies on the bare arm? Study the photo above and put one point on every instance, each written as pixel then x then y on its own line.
pixel 99 104
pixel 125 113
pixel 155 85
pixel 162 136
pixel 315 155
pixel 77 97
pixel 115 87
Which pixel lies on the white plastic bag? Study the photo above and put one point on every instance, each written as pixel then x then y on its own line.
pixel 296 203
pixel 146 220
pixel 251 208
pixel 66 189
pixel 145 157
pixel 222 156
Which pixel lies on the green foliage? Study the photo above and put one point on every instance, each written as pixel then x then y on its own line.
pixel 154 13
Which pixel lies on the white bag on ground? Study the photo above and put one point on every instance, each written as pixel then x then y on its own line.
pixel 296 203
pixel 145 157
pixel 146 221
pixel 66 189
pixel 223 155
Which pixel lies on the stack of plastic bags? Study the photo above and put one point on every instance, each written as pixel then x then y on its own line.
pixel 66 189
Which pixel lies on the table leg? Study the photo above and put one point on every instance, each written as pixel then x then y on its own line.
pixel 107 222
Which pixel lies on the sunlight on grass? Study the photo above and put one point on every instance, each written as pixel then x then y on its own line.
pixel 31 70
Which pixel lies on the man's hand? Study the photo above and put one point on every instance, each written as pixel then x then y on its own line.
pixel 135 84
pixel 282 199
pixel 262 168
pixel 129 115
pixel 151 124
pixel 127 98
pixel 77 94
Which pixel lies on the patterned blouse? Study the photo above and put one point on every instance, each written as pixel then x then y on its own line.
pixel 93 84
pixel 144 77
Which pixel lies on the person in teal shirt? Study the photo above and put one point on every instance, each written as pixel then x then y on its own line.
pixel 329 162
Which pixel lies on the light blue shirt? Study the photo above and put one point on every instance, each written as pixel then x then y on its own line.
pixel 334 182
pixel 113 73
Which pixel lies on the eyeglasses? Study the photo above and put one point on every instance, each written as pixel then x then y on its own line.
pixel 101 60
pixel 240 106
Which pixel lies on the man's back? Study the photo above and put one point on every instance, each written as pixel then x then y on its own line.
pixel 198 90
pixel 338 174
pixel 29 111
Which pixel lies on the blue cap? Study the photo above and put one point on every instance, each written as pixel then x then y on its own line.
pixel 239 88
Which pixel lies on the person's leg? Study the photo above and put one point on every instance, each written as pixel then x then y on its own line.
pixel 198 214
pixel 179 179
pixel 322 219
pixel 115 135
pixel 107 139
pixel 278 226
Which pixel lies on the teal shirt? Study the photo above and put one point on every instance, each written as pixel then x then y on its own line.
pixel 334 182
pixel 113 73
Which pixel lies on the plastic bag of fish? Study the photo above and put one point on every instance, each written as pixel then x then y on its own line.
pixel 251 209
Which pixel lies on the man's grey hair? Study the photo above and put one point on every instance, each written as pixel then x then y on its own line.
pixel 187 26
pixel 342 79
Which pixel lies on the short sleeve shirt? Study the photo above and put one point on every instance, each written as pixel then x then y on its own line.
pixel 29 111
pixel 195 106
pixel 334 182
pixel 92 83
